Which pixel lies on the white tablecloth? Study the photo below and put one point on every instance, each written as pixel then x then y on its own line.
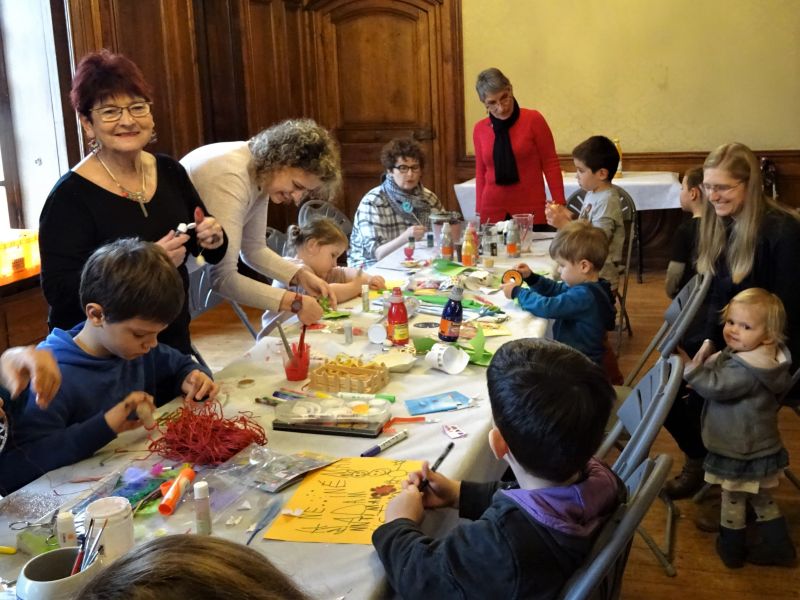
pixel 324 570
pixel 650 190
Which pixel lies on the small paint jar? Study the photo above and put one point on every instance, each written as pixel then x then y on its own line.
pixel 117 535
pixel 348 332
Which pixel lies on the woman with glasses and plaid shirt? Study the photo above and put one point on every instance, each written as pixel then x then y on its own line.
pixel 285 163
pixel 396 210
pixel 745 240
pixel 117 191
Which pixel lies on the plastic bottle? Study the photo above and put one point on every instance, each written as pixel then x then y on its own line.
pixel 65 528
pixel 409 249
pixel 512 240
pixel 397 324
pixel 452 315
pixel 365 297
pixel 468 250
pixel 202 509
pixel 619 164
pixel 446 242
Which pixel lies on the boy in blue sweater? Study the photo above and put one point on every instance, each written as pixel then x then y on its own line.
pixel 582 303
pixel 110 364
pixel 549 405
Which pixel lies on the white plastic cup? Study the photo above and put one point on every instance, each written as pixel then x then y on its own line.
pixel 447 358
pixel 117 536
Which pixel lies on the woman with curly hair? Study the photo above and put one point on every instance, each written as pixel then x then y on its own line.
pixel 283 163
pixel 395 210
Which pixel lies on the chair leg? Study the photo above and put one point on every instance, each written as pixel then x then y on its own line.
pixel 243 317
pixel 702 493
pixel 664 555
pixel 792 477
pixel 198 356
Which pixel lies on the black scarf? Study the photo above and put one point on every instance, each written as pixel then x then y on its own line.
pixel 505 165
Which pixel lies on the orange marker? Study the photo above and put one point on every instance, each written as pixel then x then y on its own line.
pixel 182 482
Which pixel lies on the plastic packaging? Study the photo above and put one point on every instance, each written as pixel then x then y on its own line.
pixel 452 315
pixel 446 243
pixel 202 509
pixel 397 325
pixel 408 251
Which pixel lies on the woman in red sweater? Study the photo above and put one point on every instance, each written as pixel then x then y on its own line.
pixel 513 147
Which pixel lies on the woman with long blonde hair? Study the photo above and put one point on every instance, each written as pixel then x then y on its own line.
pixel 746 240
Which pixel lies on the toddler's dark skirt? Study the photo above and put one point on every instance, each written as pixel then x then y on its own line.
pixel 752 470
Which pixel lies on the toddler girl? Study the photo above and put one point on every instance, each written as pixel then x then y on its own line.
pixel 318 246
pixel 741 386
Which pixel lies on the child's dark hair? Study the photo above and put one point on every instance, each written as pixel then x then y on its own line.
pixel 598 152
pixel 694 178
pixel 551 405
pixel 132 279
pixel 579 240
pixel 322 229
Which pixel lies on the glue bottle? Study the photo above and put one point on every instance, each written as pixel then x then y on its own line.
pixel 452 315
pixel 397 325
pixel 176 491
pixel 65 529
pixel 365 297
pixel 202 509
pixel 446 242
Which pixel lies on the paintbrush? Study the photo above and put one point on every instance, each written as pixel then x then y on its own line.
pixel 301 343
pixel 269 514
pixel 286 345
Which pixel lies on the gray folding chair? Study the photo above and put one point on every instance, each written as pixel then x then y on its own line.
pixel 320 208
pixel 600 577
pixel 641 417
pixel 276 241
pixel 679 316
pixel 202 297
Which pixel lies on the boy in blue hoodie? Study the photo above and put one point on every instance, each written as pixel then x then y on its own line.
pixel 549 405
pixel 110 364
pixel 581 304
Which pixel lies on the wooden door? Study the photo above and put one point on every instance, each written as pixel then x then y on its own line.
pixel 376 75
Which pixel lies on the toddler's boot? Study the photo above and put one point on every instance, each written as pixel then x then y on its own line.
pixel 774 547
pixel 731 546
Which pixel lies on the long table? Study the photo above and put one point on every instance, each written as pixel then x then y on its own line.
pixel 323 570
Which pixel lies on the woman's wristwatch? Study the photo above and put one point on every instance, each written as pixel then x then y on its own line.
pixel 297 303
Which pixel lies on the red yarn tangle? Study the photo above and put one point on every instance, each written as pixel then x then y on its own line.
pixel 200 434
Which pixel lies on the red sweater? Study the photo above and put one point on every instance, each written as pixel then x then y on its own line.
pixel 535 153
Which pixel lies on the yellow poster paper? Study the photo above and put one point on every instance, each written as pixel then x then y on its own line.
pixel 342 503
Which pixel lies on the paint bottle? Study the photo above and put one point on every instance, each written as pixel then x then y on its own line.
pixel 512 240
pixel 408 251
pixel 468 250
pixel 452 315
pixel 202 509
pixel 429 239
pixel 397 324
pixel 65 529
pixel 347 326
pixel 446 243
pixel 365 297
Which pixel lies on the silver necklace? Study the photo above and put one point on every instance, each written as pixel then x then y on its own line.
pixel 139 197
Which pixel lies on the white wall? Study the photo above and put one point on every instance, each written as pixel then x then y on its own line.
pixel 35 101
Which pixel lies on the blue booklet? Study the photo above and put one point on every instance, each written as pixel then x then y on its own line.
pixel 437 403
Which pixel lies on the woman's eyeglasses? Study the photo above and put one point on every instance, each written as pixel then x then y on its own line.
pixel 720 188
pixel 405 168
pixel 110 113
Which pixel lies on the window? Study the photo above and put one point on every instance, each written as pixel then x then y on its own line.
pixel 10 205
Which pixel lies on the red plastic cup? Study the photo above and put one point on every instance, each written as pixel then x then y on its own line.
pixel 296 368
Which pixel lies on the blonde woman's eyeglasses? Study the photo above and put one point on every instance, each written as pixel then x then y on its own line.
pixel 111 113
pixel 720 188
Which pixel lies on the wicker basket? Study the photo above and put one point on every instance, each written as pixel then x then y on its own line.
pixel 334 376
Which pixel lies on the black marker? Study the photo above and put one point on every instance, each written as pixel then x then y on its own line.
pixel 425 483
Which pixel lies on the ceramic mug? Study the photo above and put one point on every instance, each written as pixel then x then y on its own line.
pixel 47 576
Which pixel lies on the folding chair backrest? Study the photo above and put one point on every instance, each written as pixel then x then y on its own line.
pixel 276 240
pixel 575 201
pixel 320 208
pixel 642 414
pixel 600 577
pixel 684 306
pixel 202 297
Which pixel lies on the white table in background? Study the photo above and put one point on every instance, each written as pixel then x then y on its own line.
pixel 323 570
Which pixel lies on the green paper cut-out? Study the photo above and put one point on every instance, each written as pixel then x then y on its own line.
pixel 449 267
pixel 476 349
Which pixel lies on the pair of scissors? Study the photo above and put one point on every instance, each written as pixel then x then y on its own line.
pixel 47 525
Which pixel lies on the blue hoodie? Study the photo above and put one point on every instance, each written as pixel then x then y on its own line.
pixel 74 427
pixel 583 313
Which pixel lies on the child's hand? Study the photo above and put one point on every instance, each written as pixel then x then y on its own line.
pixel 199 386
pixel 376 282
pixel 117 417
pixel 704 353
pixel 524 270
pixel 406 505
pixel 440 492
pixel 508 288
pixel 557 215
pixel 18 366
